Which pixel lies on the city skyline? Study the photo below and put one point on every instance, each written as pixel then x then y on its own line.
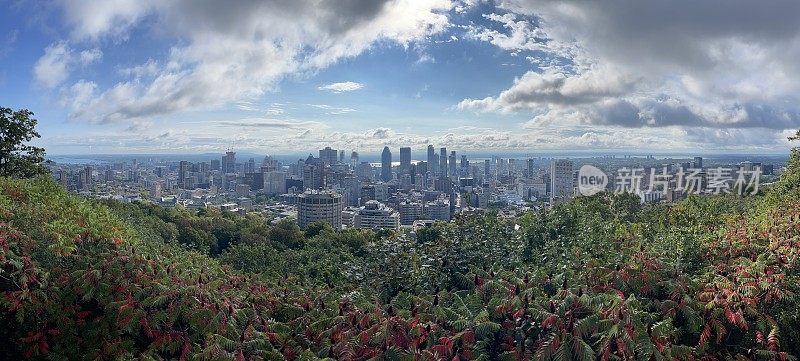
pixel 183 77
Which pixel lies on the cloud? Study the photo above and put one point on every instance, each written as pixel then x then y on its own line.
pixel 643 64
pixel 347 86
pixel 53 67
pixel 534 90
pixel 228 51
pixel 272 124
pixel 331 110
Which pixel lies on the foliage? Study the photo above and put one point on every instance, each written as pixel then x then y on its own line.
pixel 18 159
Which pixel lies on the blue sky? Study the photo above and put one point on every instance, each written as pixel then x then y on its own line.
pixel 287 76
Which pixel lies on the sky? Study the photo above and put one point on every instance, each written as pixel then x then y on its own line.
pixel 293 76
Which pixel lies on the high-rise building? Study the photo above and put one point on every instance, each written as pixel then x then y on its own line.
pixel 354 159
pixel 376 215
pixel 319 206
pixel 405 160
pixel 341 156
pixel 698 162
pixel 313 177
pixel 561 177
pixel 531 167
pixel 183 173
pixel 487 168
pixel 87 178
pixel 443 161
pixel 230 162
pixel 275 182
pixel 251 166
pixel 452 167
pixel 328 155
pixel 215 164
pixel 432 164
pixel 386 164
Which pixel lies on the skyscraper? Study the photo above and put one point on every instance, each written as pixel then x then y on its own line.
pixel 698 162
pixel 230 162
pixel 561 180
pixel 183 170
pixel 432 164
pixel 328 155
pixel 405 160
pixel 386 164
pixel 452 167
pixel 443 161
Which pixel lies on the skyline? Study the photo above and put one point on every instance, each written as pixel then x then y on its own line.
pixel 515 77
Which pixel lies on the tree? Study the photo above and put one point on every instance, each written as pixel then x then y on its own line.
pixel 18 159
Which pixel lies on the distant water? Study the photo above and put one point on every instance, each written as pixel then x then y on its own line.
pixel 73 160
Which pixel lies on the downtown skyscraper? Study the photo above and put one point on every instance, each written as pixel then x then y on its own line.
pixel 405 160
pixel 386 164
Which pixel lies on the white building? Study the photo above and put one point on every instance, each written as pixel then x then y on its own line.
pixel 376 215
pixel 313 206
pixel 437 210
pixel 410 212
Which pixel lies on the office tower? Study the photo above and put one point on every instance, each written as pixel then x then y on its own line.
pixel 561 179
pixel 376 215
pixel 86 179
pixel 275 182
pixel 312 176
pixel 405 160
pixel 464 164
pixel 354 159
pixel 319 206
pixel 183 173
pixel 698 162
pixel 530 168
pixel 386 164
pixel 215 164
pixel 328 155
pixel 230 162
pixel 251 166
pixel 432 164
pixel 269 164
pixel 443 161
pixel 486 168
pixel 341 156
pixel 452 165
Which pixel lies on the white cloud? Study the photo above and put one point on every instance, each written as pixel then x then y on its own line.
pixel 54 66
pixel 231 51
pixel 51 69
pixel 643 64
pixel 534 90
pixel 90 56
pixel 347 86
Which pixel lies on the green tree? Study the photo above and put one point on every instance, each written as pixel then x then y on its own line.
pixel 18 159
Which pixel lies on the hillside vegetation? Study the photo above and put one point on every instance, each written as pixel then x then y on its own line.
pixel 601 277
